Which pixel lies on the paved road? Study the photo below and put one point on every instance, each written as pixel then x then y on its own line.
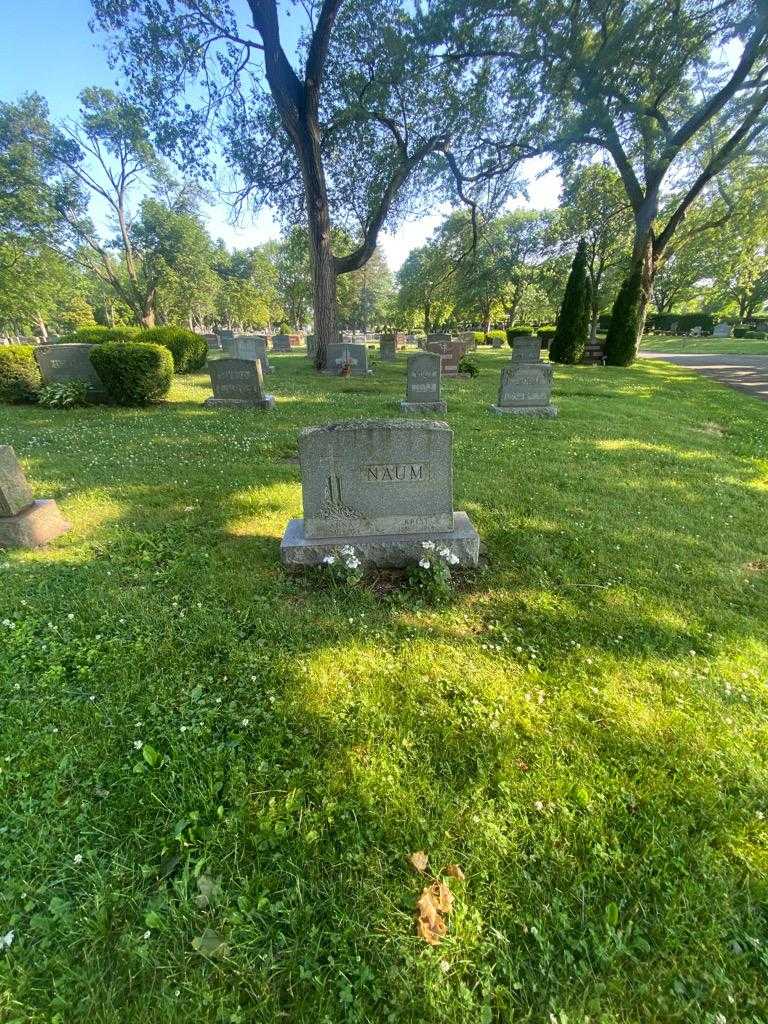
pixel 745 373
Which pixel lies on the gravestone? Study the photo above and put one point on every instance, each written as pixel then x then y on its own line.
pixel 450 352
pixel 61 363
pixel 213 341
pixel 525 390
pixel 226 335
pixel 496 343
pixel 341 353
pixel 526 348
pixel 24 522
pixel 422 388
pixel 382 486
pixel 249 346
pixel 594 353
pixel 722 331
pixel 238 384
pixel 285 342
pixel 388 348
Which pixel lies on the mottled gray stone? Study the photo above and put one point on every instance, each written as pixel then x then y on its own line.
pixel 347 352
pixel 526 390
pixel 388 348
pixel 238 383
pixel 526 348
pixel 722 331
pixel 249 346
pixel 213 342
pixel 383 551
pixel 285 342
pixel 61 363
pixel 383 486
pixel 439 337
pixel 422 388
pixel 451 353
pixel 15 492
pixel 311 346
pixel 37 524
pixel 226 335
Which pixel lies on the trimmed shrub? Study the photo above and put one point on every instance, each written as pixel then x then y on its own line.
pixel 468 366
pixel 20 377
pixel 682 323
pixel 98 335
pixel 189 350
pixel 478 337
pixel 546 334
pixel 747 332
pixel 492 336
pixel 572 330
pixel 133 372
pixel 621 340
pixel 518 332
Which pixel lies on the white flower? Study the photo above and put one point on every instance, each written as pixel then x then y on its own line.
pixel 444 553
pixel 353 563
pixel 539 805
pixel 329 559
pixel 428 545
pixel 71 616
pixel 245 722
pixel 6 940
pixel 453 559
pixel 347 550
pixel 78 858
pixel 138 744
pixel 147 934
pixel 425 563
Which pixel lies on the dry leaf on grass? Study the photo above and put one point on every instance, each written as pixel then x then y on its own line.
pixel 418 861
pixel 435 900
pixel 454 871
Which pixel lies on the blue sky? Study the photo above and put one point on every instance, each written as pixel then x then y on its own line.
pixel 47 47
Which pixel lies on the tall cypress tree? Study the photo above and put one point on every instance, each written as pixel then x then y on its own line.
pixel 621 340
pixel 571 332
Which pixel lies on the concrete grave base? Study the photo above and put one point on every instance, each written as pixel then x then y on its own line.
pixel 37 524
pixel 424 407
pixel 525 410
pixel 383 551
pixel 268 403
pixel 335 373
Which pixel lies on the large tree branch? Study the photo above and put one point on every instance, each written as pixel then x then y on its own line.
pixel 321 40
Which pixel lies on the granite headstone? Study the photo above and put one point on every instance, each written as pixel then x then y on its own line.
pixel 238 383
pixel 384 487
pixel 249 346
pixel 422 388
pixel 526 390
pixel 450 352
pixel 722 330
pixel 61 363
pixel 345 353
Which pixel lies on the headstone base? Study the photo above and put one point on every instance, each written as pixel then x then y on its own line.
pixel 38 524
pixel 393 551
pixel 268 402
pixel 424 407
pixel 354 373
pixel 525 410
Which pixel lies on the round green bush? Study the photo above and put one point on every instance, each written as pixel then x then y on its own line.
pixel 98 335
pixel 468 366
pixel 20 377
pixel 495 335
pixel 478 337
pixel 521 331
pixel 133 372
pixel 189 350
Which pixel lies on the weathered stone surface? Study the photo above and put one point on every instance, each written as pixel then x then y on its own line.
pixel 311 346
pixel 37 524
pixel 61 363
pixel 238 383
pixel 439 337
pixel 387 348
pixel 213 341
pixel 383 486
pixel 450 352
pixel 226 335
pixel 594 354
pixel 526 390
pixel 384 551
pixel 15 492
pixel 422 389
pixel 249 346
pixel 285 342
pixel 526 348
pixel 722 331
pixel 347 352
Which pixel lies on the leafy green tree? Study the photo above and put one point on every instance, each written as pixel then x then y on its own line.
pixel 362 124
pixel 572 330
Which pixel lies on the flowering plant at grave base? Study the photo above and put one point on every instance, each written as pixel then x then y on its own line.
pixel 432 575
pixel 67 394
pixel 343 567
pixel 346 369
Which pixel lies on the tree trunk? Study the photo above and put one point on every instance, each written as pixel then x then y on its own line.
pixel 427 320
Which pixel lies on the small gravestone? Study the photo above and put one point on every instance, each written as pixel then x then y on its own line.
pixel 285 342
pixel 213 341
pixel 249 346
pixel 722 331
pixel 388 348
pixel 238 384
pixel 24 522
pixel 226 335
pixel 451 353
pixel 526 390
pixel 526 348
pixel 422 388
pixel 347 353
pixel 62 363
pixel 594 353
pixel 384 487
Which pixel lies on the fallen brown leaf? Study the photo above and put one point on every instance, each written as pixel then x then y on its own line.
pixel 454 871
pixel 418 861
pixel 435 900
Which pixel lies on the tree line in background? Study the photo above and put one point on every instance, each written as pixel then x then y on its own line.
pixel 384 110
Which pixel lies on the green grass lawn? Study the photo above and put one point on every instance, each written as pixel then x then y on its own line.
pixel 705 346
pixel 583 728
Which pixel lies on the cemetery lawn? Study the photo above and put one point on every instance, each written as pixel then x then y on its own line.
pixel 705 346
pixel 211 773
